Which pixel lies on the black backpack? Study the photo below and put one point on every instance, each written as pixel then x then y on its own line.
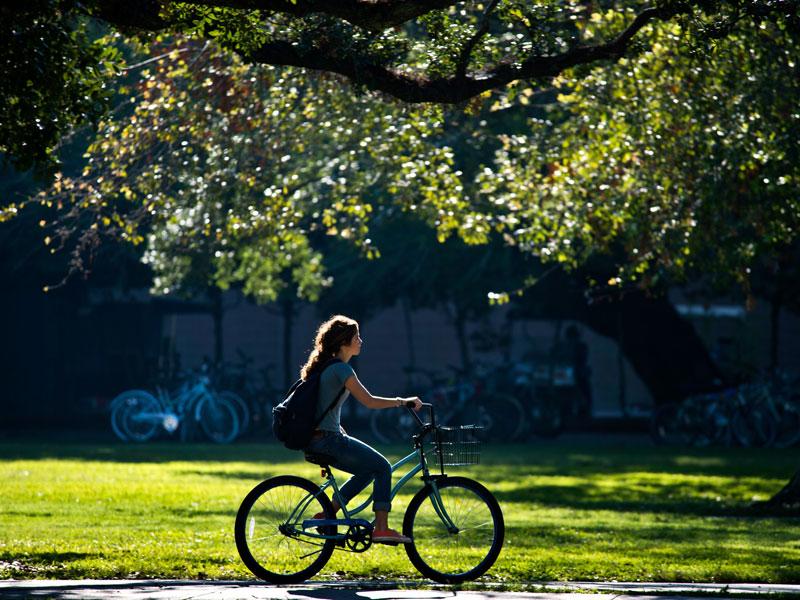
pixel 293 419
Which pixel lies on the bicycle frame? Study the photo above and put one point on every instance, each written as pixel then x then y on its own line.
pixel 417 455
pixel 186 399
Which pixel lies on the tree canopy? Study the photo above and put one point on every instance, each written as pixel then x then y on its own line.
pixel 224 169
pixel 671 161
pixel 677 158
pixel 439 51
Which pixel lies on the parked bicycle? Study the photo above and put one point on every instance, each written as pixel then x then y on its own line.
pixel 138 415
pixel 455 523
pixel 772 415
pixel 240 382
pixel 700 420
pixel 765 412
pixel 500 415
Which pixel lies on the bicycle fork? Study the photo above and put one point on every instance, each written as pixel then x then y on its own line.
pixel 438 506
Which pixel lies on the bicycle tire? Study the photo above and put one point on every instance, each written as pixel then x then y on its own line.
pixel 390 426
pixel 449 557
pixel 754 427
pixel 242 410
pixel 280 557
pixel 218 419
pixel 788 427
pixel 139 417
pixel 713 424
pixel 547 417
pixel 667 427
pixel 116 411
pixel 502 417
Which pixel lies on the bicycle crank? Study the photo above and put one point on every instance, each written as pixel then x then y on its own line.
pixel 358 538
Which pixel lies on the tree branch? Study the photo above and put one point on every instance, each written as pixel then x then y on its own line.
pixel 452 90
pixel 466 51
pixel 376 15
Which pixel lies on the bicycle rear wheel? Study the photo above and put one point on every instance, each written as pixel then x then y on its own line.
pixel 218 419
pixel 137 416
pixel 502 417
pixel 269 530
pixel 469 551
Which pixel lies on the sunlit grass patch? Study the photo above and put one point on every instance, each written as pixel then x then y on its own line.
pixel 574 509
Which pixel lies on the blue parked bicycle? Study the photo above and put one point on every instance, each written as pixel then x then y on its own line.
pixel 455 523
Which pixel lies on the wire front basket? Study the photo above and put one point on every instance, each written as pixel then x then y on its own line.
pixel 456 446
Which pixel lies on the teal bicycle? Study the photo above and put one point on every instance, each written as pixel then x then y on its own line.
pixel 455 523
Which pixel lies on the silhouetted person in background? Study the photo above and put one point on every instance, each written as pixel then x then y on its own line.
pixel 577 354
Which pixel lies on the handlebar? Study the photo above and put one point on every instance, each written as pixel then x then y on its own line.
pixel 410 408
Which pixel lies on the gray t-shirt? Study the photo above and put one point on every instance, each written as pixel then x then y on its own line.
pixel 330 383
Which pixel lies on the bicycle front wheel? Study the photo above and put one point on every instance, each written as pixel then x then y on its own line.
pixel 269 530
pixel 461 553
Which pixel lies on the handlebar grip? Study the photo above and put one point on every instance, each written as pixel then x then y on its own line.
pixel 409 404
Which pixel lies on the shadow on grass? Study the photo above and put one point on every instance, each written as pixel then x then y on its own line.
pixel 696 543
pixel 585 498
pixel 250 476
pixel 157 452
pixel 48 557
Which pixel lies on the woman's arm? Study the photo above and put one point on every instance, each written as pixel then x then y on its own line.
pixel 360 393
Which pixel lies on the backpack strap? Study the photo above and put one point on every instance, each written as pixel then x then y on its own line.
pixel 335 400
pixel 332 404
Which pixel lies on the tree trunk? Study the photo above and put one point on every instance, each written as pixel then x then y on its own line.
pixel 623 385
pixel 787 498
pixel 412 355
pixel 217 314
pixel 662 347
pixel 774 326
pixel 288 312
pixel 460 324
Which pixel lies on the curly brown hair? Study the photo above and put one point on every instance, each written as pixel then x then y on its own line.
pixel 334 333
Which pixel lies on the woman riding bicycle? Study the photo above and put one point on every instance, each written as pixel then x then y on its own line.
pixel 338 338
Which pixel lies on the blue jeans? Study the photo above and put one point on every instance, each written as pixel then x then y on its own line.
pixel 362 461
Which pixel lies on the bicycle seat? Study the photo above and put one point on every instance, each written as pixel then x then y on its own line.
pixel 323 460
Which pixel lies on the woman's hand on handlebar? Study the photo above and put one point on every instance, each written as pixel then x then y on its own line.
pixel 412 402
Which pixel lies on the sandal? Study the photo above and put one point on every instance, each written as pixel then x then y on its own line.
pixel 390 536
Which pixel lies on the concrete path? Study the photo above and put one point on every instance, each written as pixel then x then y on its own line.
pixel 365 590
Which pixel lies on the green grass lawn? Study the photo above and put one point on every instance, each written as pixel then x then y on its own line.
pixel 575 509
